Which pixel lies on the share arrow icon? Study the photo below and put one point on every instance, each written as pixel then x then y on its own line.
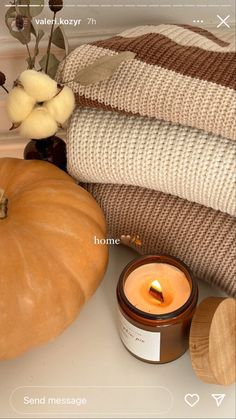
pixel 218 398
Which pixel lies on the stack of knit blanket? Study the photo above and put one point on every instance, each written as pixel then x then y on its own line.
pixel 155 143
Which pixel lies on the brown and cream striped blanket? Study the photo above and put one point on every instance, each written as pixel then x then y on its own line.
pixel 181 74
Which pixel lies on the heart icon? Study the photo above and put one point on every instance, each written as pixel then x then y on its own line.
pixel 191 399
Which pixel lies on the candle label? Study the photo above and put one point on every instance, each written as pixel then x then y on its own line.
pixel 141 343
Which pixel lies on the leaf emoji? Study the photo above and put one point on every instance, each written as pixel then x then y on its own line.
pixel 103 68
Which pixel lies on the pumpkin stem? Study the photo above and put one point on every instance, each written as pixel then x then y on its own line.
pixel 3 204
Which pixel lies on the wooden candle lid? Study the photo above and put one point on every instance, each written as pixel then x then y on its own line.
pixel 213 339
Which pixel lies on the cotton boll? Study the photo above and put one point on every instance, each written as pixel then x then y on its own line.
pixel 38 85
pixel 38 125
pixel 19 104
pixel 62 105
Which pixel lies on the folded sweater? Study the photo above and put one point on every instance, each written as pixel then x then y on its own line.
pixel 203 238
pixel 108 147
pixel 181 74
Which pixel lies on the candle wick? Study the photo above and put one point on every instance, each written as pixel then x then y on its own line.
pixel 156 293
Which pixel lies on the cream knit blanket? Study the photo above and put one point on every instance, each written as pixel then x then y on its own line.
pixel 182 74
pixel 108 147
pixel 203 238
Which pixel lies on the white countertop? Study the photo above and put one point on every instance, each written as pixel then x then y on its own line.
pixel 88 361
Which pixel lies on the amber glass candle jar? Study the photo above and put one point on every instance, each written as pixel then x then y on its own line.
pixel 156 337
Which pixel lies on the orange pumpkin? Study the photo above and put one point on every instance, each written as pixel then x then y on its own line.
pixel 49 265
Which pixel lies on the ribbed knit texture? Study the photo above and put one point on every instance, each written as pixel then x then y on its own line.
pixel 180 74
pixel 164 124
pixel 203 238
pixel 108 147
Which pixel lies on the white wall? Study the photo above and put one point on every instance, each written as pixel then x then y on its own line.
pixel 111 18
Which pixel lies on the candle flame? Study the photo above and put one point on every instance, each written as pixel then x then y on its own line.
pixel 156 291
